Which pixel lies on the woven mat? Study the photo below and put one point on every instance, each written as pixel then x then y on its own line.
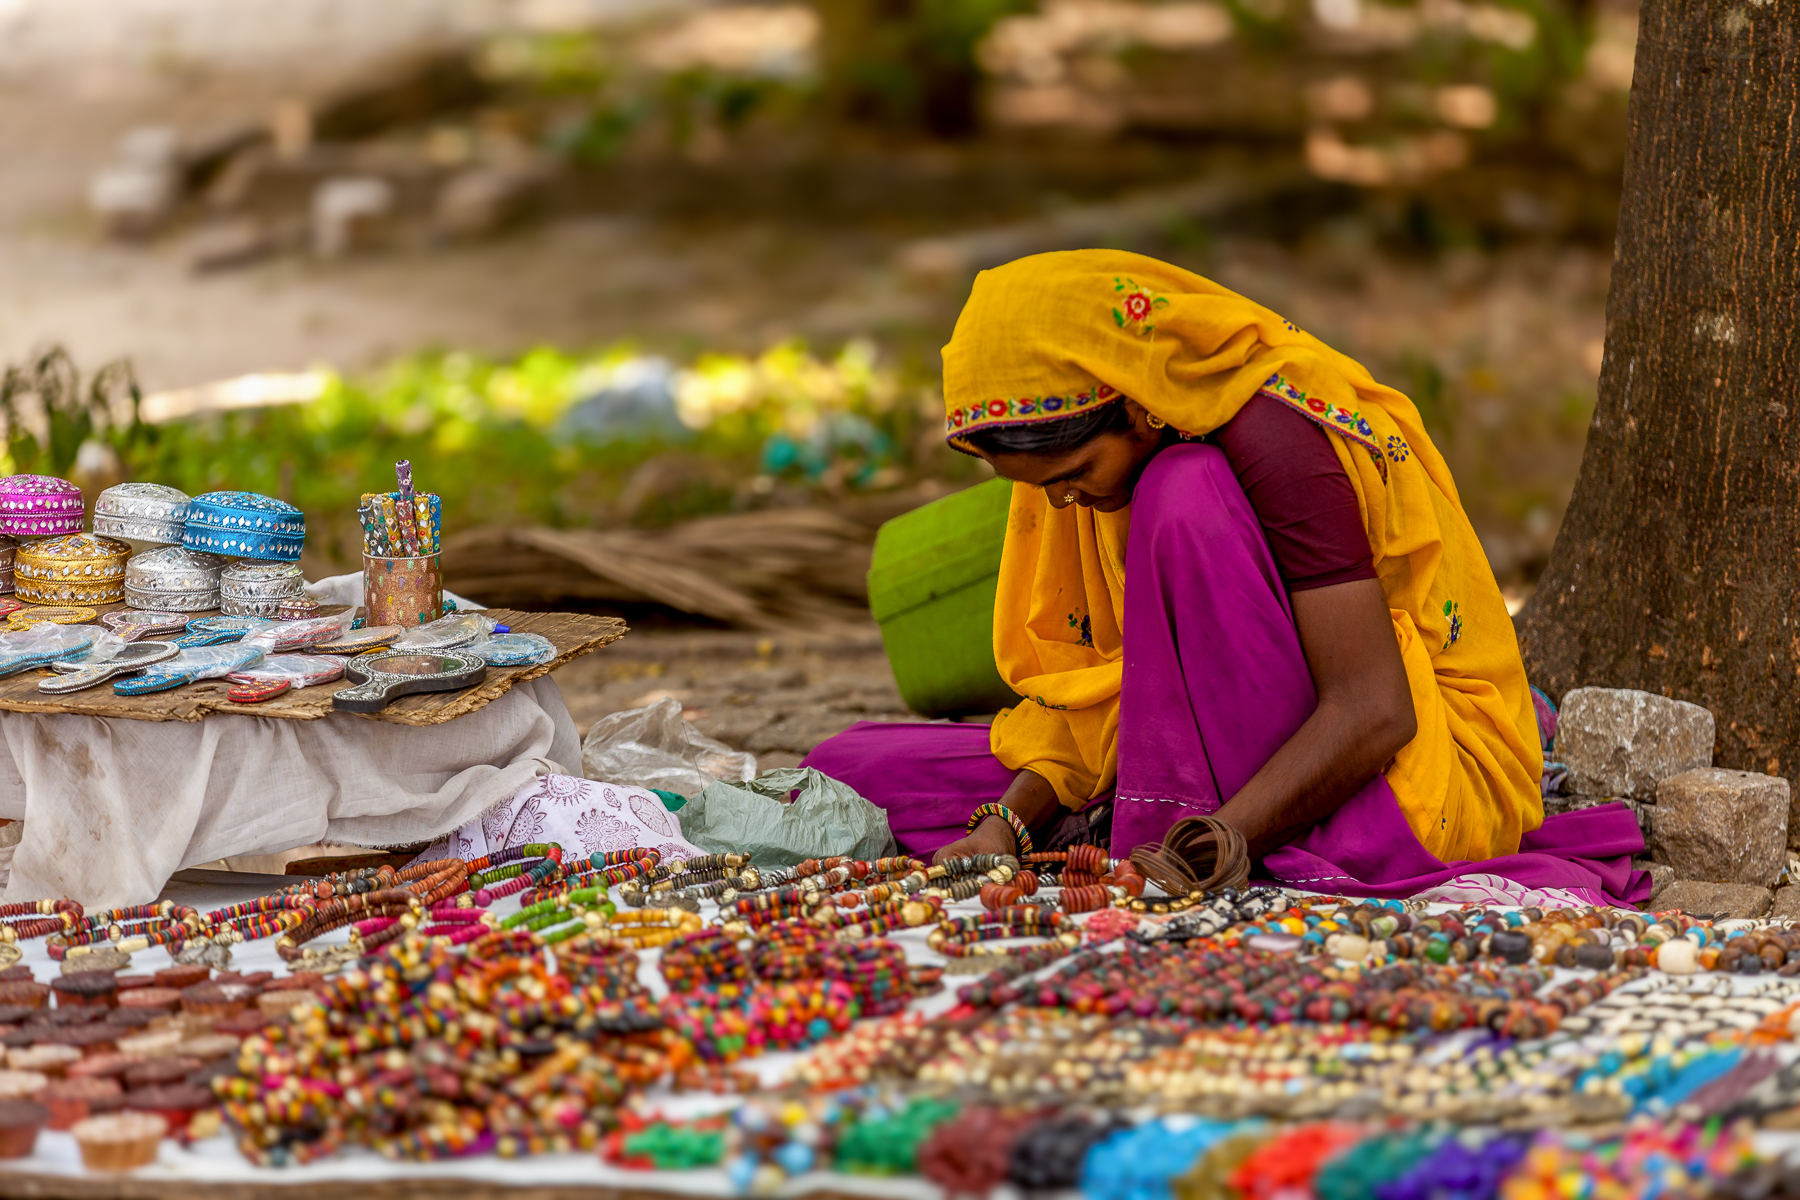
pixel 573 634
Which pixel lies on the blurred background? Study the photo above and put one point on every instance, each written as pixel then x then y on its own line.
pixel 652 291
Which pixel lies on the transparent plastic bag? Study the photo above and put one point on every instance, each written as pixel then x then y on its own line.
pixel 516 650
pixel 757 818
pixel 43 643
pixel 449 633
pixel 295 635
pixel 193 663
pixel 655 747
pixel 106 647
pixel 301 670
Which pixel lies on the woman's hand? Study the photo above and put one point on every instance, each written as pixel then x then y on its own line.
pixel 1365 716
pixel 1030 796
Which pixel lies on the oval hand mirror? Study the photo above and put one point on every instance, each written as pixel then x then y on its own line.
pixel 387 676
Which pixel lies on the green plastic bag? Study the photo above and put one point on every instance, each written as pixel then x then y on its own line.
pixel 826 817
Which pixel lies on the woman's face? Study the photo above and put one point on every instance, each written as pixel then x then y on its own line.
pixel 1101 473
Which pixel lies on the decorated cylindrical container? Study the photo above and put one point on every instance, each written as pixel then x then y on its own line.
pixel 245 525
pixel 403 591
pixel 8 547
pixel 76 568
pixel 144 512
pixel 173 579
pixel 259 589
pixel 39 506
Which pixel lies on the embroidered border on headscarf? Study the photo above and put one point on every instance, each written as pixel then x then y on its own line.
pixel 1333 417
pixel 1021 410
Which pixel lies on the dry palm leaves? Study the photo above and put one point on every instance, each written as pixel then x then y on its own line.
pixel 776 569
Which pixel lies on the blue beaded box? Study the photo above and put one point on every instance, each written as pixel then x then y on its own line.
pixel 245 525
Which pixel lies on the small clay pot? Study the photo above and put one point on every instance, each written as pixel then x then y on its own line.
pixel 20 1121
pixel 119 1141
pixel 72 1100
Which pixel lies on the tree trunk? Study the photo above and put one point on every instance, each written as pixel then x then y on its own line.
pixel 1679 561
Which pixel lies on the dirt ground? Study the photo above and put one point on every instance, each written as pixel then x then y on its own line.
pixel 775 696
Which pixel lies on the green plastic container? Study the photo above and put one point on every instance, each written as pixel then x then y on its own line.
pixel 931 589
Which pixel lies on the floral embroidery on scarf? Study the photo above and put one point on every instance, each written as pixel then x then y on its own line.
pixel 1397 449
pixel 1345 422
pixel 1085 624
pixel 1289 325
pixel 1137 306
pixel 1021 410
pixel 1453 610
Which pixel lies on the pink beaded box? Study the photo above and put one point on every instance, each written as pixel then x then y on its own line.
pixel 39 506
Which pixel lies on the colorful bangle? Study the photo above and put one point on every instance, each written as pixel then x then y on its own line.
pixel 1009 816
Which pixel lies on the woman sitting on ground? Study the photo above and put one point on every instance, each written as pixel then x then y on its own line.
pixel 1301 636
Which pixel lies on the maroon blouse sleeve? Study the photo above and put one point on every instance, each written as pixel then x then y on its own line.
pixel 1294 482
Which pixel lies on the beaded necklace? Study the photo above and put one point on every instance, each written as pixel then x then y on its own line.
pixel 129 929
pixel 42 917
pixel 652 926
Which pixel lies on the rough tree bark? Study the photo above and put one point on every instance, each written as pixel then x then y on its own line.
pixel 1678 564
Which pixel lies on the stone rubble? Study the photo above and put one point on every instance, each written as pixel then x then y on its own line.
pixel 1618 742
pixel 1723 826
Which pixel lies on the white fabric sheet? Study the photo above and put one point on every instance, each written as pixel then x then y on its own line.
pixel 581 816
pixel 113 807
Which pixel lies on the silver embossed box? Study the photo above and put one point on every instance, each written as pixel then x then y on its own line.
pixel 259 589
pixel 146 512
pixel 173 579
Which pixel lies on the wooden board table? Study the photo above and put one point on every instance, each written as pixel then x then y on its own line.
pixel 573 634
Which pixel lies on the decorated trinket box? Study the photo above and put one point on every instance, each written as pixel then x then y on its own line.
pixel 173 579
pixel 8 547
pixel 245 525
pixel 147 512
pixel 259 589
pixel 39 506
pixel 77 568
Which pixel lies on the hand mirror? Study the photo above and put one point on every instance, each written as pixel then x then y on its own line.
pixel 382 678
pixel 76 674
pixel 133 623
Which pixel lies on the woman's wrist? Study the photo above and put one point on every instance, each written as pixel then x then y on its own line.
pixel 1000 812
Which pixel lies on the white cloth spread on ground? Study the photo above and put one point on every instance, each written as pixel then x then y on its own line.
pixel 581 816
pixel 113 807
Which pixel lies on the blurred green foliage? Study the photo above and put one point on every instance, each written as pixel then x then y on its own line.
pixel 501 442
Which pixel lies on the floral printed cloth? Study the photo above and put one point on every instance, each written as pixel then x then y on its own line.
pixel 582 816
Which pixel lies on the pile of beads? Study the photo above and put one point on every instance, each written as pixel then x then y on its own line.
pixel 728 1021
pixel 789 950
pixel 706 956
pixel 874 970
pixel 433 1050
pixel 607 968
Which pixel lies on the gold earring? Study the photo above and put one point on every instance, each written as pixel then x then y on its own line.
pixel 1154 421
pixel 1068 497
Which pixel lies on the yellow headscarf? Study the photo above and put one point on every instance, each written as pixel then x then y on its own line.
pixel 1061 333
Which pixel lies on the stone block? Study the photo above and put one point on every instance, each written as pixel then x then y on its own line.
pixel 1661 876
pixel 1723 826
pixel 1617 742
pixel 1718 899
pixel 1644 813
pixel 1787 903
